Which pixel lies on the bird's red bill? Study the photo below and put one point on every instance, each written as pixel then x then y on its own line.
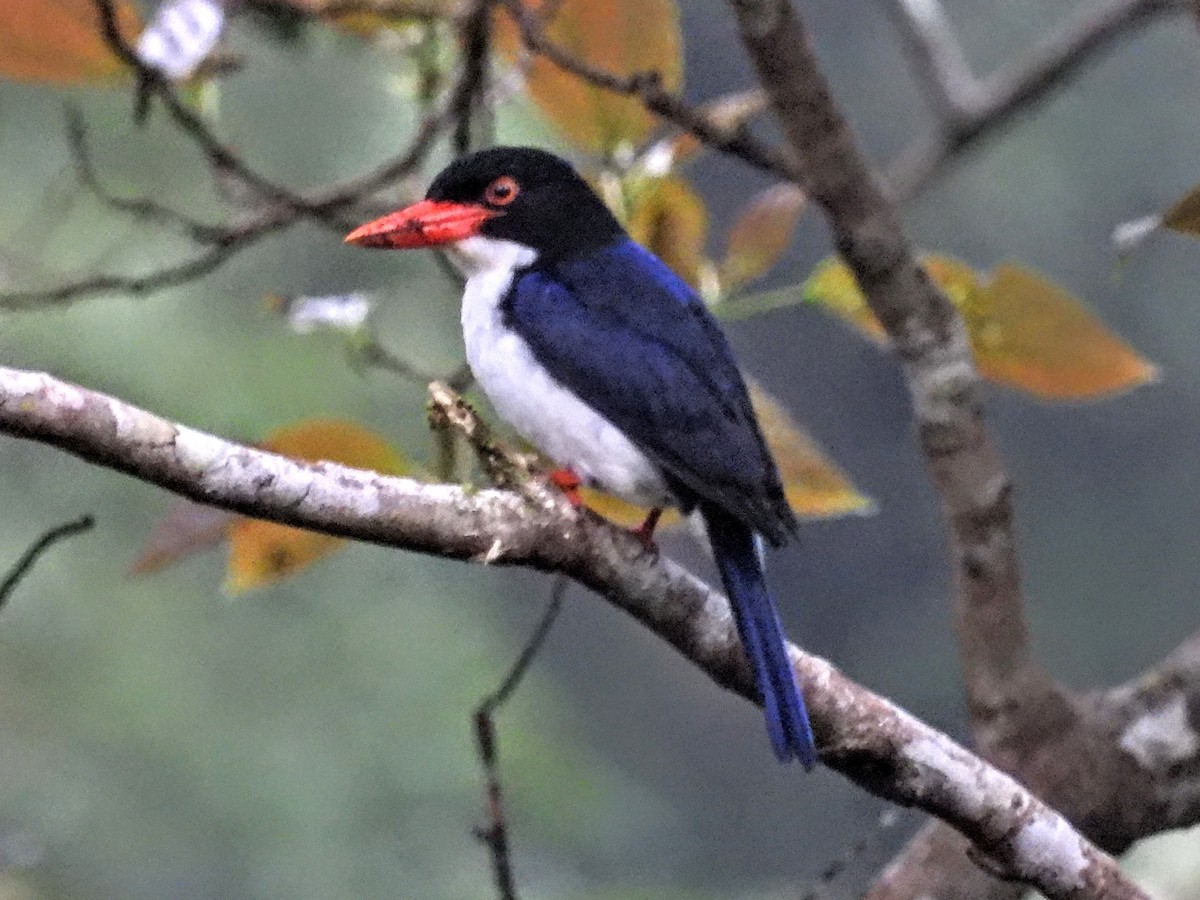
pixel 424 224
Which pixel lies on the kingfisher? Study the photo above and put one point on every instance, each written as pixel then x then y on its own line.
pixel 610 364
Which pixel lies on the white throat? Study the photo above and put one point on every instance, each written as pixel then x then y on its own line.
pixel 478 257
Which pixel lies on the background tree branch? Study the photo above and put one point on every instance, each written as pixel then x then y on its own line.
pixel 970 110
pixel 1021 718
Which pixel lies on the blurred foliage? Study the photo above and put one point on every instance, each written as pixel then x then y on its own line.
pixel 313 739
pixel 59 41
pixel 618 36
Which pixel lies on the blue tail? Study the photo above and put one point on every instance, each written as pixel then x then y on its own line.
pixel 736 552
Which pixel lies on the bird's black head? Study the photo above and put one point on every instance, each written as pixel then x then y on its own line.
pixel 518 194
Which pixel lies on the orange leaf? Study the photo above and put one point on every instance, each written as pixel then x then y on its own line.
pixel 814 486
pixel 59 41
pixel 667 217
pixel 627 515
pixel 260 552
pixel 621 36
pixel 761 234
pixel 313 440
pixel 1026 331
pixel 1029 333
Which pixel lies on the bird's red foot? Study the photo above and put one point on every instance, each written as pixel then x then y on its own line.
pixel 568 482
pixel 645 531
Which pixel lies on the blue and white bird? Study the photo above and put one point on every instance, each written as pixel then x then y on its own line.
pixel 607 362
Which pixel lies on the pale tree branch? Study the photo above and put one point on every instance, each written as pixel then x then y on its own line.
pixel 1125 767
pixel 879 746
pixel 968 109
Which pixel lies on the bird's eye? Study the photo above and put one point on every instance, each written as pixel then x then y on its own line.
pixel 502 191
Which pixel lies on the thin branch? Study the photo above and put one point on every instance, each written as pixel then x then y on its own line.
pixel 336 10
pixel 138 207
pixel 970 110
pixel 647 87
pixel 937 56
pixel 374 355
pixel 223 160
pixel 229 240
pixel 495 834
pixel 22 566
pixel 475 36
pixel 166 277
pixel 862 735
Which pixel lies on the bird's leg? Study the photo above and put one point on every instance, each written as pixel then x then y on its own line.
pixel 568 482
pixel 645 531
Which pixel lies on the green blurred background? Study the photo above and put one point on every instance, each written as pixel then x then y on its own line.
pixel 313 740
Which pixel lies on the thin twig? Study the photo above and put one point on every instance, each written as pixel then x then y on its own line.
pixel 168 276
pixel 647 87
pixel 501 463
pixel 495 834
pixel 227 241
pixel 222 159
pixel 475 36
pixel 22 566
pixel 372 354
pixel 138 207
pixel 969 109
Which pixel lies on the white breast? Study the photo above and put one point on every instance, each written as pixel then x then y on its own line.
pixel 549 416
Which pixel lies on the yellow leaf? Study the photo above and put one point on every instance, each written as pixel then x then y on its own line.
pixel 815 488
pixel 60 42
pixel 620 36
pixel 1026 332
pixel 761 234
pixel 260 552
pixel 667 217
pixel 832 286
pixel 1029 333
pixel 957 280
pixel 627 515
pixel 1184 214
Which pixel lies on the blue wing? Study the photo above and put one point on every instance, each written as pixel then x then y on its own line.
pixel 629 338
